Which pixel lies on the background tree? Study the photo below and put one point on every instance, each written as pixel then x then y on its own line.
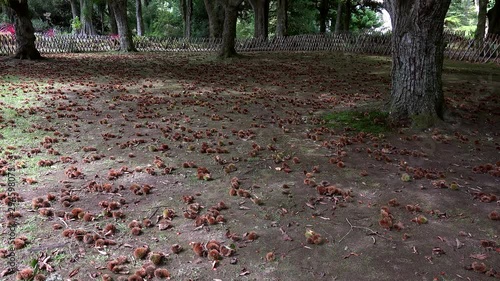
pixel 281 18
pixel 261 17
pixel 494 19
pixel 461 16
pixel 120 10
pixel 229 34
pixel 481 20
pixel 112 19
pixel 187 13
pixel 417 59
pixel 86 10
pixel 25 33
pixel 215 13
pixel 323 9
pixel 138 18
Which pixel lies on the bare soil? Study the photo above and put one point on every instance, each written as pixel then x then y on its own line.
pixel 110 138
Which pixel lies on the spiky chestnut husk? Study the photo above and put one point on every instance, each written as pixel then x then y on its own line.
pixel 141 252
pixel 162 273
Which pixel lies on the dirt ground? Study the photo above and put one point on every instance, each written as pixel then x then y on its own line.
pixel 241 170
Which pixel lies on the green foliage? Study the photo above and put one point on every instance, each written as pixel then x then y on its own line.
pixel 168 20
pixel 76 25
pixel 365 19
pixel 40 25
pixel 462 16
pixel 302 17
pixel 245 27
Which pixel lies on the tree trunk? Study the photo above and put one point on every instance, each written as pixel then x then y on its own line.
pixel 215 13
pixel 25 33
pixel 74 8
pixel 417 59
pixel 138 17
pixel 338 19
pixel 120 10
pixel 229 33
pixel 261 18
pixel 347 15
pixel 282 18
pixel 494 19
pixel 112 19
pixel 323 15
pixel 187 13
pixel 86 7
pixel 481 21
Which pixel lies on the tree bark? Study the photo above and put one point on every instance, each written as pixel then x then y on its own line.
pixel 494 19
pixel 86 17
pixel 347 15
pixel 138 17
pixel 187 13
pixel 112 19
pixel 229 33
pixel 25 33
pixel 323 15
pixel 481 21
pixel 74 8
pixel 120 10
pixel 261 18
pixel 417 59
pixel 338 19
pixel 282 18
pixel 215 13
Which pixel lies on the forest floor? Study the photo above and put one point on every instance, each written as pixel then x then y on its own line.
pixel 274 166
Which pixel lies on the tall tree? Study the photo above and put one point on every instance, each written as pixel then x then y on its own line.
pixel 25 33
pixel 282 18
pixel 120 10
pixel 215 13
pixel 323 14
pixel 229 34
pixel 481 20
pixel 494 19
pixel 346 15
pixel 338 19
pixel 86 10
pixel 187 13
pixel 417 59
pixel 261 17
pixel 112 19
pixel 74 8
pixel 138 17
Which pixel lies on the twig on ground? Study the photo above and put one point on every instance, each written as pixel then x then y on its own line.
pixel 372 232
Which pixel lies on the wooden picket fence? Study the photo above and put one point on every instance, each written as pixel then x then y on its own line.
pixel 458 47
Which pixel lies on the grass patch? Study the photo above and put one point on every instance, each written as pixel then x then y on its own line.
pixel 374 122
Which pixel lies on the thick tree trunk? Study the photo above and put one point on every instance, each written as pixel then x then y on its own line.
pixel 282 18
pixel 120 9
pixel 86 8
pixel 112 19
pixel 323 15
pixel 338 19
pixel 25 33
pixel 494 19
pixel 481 21
pixel 138 17
pixel 215 13
pixel 187 13
pixel 417 59
pixel 229 34
pixel 261 18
